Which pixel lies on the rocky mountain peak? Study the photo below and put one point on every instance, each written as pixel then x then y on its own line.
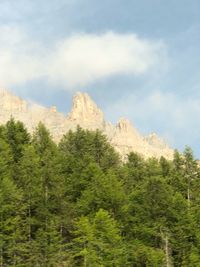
pixel 11 103
pixel 124 137
pixel 125 128
pixel 85 109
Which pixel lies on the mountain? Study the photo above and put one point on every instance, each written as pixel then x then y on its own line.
pixel 123 136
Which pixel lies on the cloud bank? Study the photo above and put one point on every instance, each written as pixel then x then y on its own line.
pixel 76 60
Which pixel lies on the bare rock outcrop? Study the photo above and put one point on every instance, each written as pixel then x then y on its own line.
pixel 11 103
pixel 124 137
pixel 85 113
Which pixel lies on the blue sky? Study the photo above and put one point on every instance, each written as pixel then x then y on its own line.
pixel 137 59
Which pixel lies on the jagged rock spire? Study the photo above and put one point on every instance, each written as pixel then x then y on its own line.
pixel 85 112
pixel 125 126
pixel 84 108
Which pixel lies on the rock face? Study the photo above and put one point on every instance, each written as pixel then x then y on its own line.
pixel 85 113
pixel 124 137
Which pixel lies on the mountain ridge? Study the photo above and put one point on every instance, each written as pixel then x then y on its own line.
pixel 85 113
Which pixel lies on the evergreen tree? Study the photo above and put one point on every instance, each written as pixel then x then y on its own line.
pixel 30 183
pixel 11 214
pixel 104 191
pixel 133 172
pixel 16 136
pixel 51 199
pixel 97 242
pixel 84 144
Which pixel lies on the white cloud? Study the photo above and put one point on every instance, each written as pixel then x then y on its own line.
pixel 77 60
pixel 19 58
pixel 84 58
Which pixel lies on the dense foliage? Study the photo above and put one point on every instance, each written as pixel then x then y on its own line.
pixel 76 204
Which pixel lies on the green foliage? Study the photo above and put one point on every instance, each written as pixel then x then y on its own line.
pixel 11 214
pixel 84 144
pixel 103 191
pixel 97 242
pixel 141 255
pixel 17 136
pixel 77 204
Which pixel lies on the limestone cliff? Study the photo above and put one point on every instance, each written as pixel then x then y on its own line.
pixel 85 113
pixel 124 137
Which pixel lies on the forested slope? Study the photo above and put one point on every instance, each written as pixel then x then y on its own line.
pixel 77 204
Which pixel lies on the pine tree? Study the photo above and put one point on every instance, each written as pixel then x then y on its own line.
pixel 51 199
pixel 103 191
pixel 16 136
pixel 97 242
pixel 84 144
pixel 30 182
pixel 11 214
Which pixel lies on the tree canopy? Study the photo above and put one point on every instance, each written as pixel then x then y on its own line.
pixel 78 204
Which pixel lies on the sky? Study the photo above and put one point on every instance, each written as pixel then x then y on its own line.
pixel 137 59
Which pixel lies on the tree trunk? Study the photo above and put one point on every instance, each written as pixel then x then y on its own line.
pixel 167 252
